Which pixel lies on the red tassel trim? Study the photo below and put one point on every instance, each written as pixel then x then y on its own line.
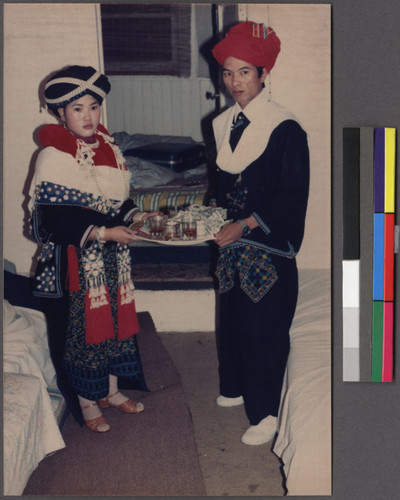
pixel 128 324
pixel 73 270
pixel 98 321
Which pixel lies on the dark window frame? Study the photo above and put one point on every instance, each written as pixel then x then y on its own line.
pixel 147 39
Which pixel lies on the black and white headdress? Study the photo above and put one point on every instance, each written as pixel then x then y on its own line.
pixel 74 82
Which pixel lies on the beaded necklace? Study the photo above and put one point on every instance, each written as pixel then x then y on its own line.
pixel 84 156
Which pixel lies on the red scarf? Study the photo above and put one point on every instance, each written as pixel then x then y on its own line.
pixel 60 138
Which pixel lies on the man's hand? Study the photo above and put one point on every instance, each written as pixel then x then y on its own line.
pixel 228 234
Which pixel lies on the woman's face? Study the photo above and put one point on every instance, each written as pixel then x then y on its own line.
pixel 82 116
pixel 242 81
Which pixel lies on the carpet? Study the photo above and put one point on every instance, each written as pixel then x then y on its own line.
pixel 150 454
pixel 229 467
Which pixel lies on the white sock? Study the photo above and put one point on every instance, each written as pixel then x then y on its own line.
pixel 90 410
pixel 117 398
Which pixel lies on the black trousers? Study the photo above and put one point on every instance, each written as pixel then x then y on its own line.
pixel 254 342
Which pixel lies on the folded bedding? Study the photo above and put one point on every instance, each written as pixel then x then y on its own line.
pixel 149 170
pixel 25 343
pixel 31 430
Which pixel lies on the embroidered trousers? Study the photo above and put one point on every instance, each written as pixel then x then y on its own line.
pixel 253 342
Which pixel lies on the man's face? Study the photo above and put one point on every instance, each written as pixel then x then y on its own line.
pixel 242 81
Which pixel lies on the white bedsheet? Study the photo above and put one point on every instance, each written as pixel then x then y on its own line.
pixel 25 343
pixel 30 428
pixel 304 436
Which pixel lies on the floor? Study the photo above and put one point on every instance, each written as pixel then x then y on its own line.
pixel 229 467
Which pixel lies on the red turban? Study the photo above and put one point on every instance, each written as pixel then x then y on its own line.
pixel 250 42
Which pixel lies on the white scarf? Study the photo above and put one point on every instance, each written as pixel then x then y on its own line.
pixel 264 117
pixel 81 174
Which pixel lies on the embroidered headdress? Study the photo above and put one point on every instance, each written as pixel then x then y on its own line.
pixel 74 82
pixel 250 42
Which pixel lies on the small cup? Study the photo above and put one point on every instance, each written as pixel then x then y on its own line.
pixel 172 230
pixel 157 224
pixel 190 229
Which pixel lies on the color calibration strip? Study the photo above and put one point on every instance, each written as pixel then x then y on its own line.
pixel 351 254
pixel 368 253
pixel 383 256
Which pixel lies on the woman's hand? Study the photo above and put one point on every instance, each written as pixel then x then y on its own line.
pixel 120 234
pixel 228 234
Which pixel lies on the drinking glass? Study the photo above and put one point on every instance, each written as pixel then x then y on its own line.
pixel 190 229
pixel 157 225
pixel 172 230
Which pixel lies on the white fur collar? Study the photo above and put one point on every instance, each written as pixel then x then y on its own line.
pixel 264 116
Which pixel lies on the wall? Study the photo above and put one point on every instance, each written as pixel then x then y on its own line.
pixel 179 310
pixel 301 81
pixel 38 39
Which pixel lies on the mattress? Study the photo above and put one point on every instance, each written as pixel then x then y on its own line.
pixel 304 432
pixel 172 196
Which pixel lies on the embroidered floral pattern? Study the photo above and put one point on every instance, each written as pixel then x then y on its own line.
pixel 237 198
pixel 46 277
pixel 47 252
pixel 93 265
pixel 124 275
pixel 253 267
pixel 50 193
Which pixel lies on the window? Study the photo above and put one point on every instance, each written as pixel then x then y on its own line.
pixel 146 39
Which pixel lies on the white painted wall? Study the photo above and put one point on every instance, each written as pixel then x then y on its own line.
pixel 38 40
pixel 301 81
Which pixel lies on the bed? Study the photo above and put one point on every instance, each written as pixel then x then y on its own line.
pixel 304 433
pixel 33 409
pixel 157 187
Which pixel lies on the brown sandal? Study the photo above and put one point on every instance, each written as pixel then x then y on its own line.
pixel 128 406
pixel 94 424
